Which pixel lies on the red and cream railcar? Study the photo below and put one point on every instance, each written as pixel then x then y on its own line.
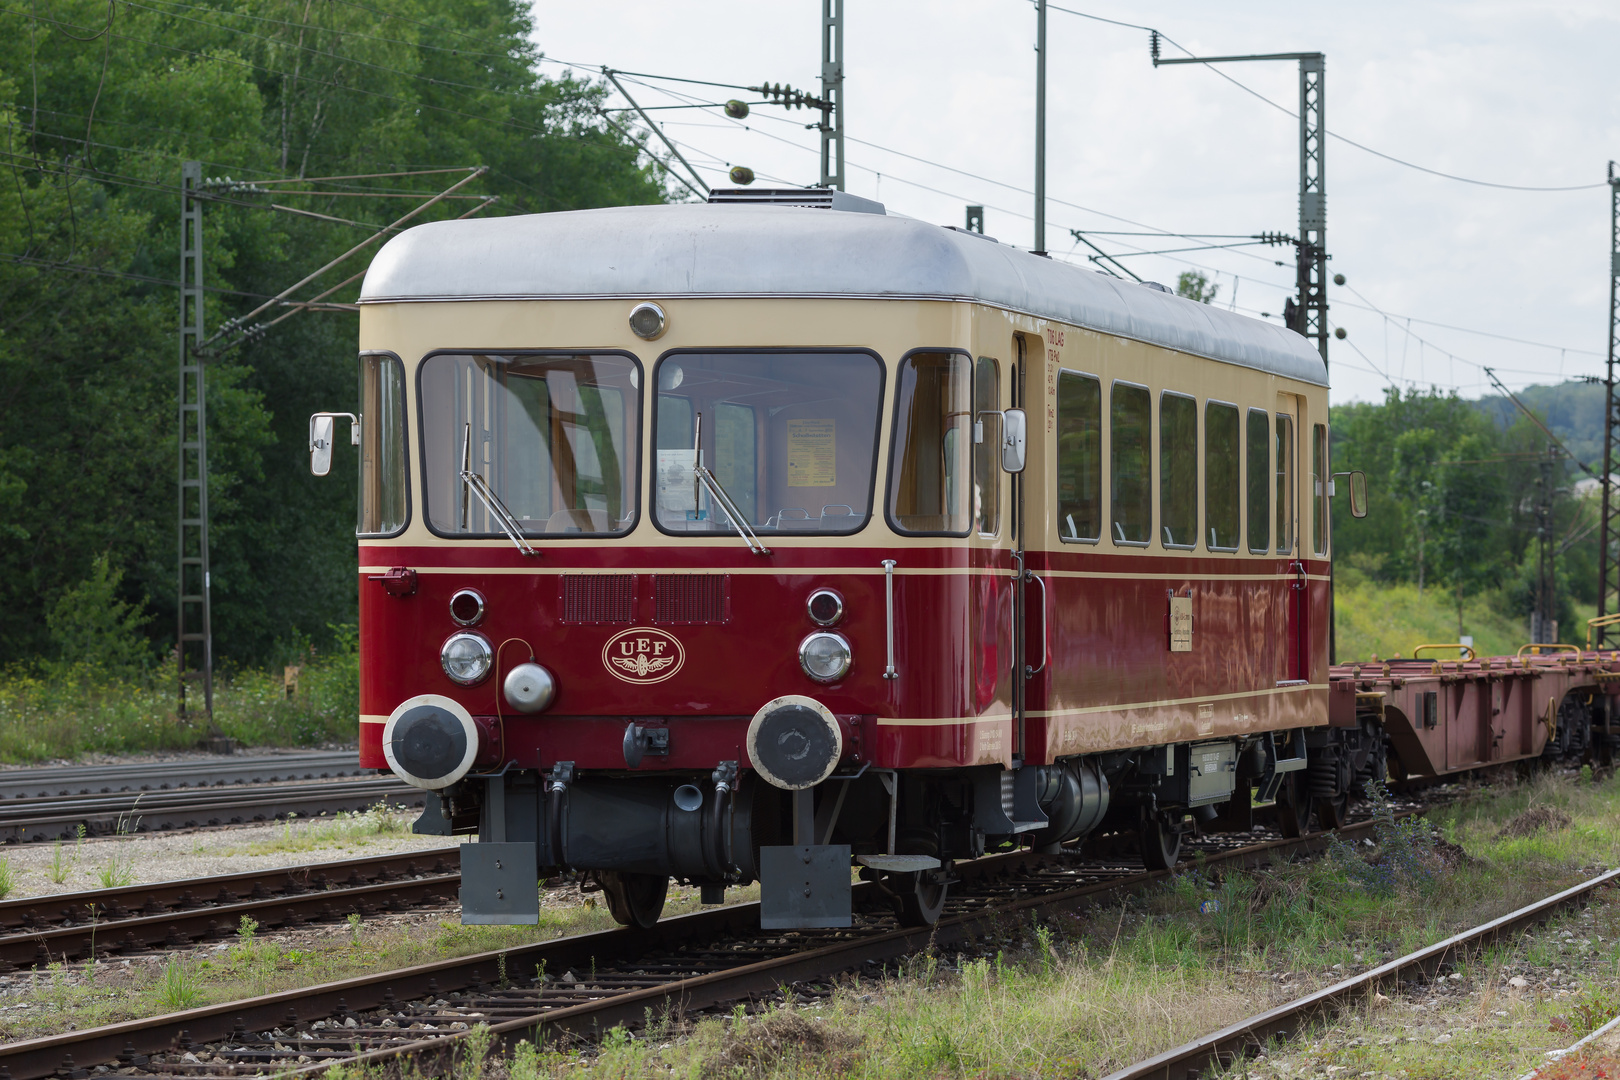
pixel 752 541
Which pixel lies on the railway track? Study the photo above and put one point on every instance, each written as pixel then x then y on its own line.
pixel 587 983
pixel 54 817
pixel 40 930
pixel 65 780
pixel 1223 1047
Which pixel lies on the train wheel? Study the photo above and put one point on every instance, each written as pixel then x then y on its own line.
pixel 1293 809
pixel 1332 813
pixel 634 899
pixel 921 896
pixel 1161 843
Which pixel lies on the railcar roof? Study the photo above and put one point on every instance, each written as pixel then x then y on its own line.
pixel 714 250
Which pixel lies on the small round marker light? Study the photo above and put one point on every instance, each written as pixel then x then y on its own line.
pixel 647 321
pixel 1341 333
pixel 737 110
pixel 825 607
pixel 742 175
pixel 467 607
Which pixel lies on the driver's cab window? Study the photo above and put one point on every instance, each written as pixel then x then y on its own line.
pixel 933 433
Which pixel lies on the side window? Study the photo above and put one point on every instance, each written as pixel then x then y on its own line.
pixel 1284 465
pixel 932 436
pixel 1319 483
pixel 1259 466
pixel 382 445
pixel 986 467
pixel 1222 476
pixel 1178 470
pixel 1079 457
pixel 1130 470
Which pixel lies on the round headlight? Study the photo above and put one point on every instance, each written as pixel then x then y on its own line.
pixel 466 657
pixel 647 321
pixel 825 607
pixel 467 607
pixel 824 656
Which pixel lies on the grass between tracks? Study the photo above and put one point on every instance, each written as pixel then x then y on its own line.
pixel 1086 994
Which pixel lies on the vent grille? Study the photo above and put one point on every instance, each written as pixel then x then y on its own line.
pixel 689 598
pixel 815 198
pixel 599 598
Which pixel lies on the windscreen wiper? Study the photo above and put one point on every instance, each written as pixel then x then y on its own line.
pixel 492 502
pixel 718 493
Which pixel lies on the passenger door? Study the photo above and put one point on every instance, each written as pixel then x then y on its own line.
pixel 1294 596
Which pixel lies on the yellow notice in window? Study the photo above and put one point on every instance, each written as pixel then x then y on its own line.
pixel 812 453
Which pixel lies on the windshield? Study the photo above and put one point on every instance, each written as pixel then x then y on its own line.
pixel 790 439
pixel 554 437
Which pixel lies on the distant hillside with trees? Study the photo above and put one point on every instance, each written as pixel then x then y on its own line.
pixel 1457 505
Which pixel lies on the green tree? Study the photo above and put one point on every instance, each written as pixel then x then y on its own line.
pixel 98 118
pixel 1195 286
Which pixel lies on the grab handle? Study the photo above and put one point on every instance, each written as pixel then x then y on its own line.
pixel 1031 672
pixel 888 607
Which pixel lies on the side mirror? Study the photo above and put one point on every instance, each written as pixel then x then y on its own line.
pixel 1358 491
pixel 320 439
pixel 320 444
pixel 1013 426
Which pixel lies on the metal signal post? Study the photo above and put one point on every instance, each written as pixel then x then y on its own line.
pixel 832 91
pixel 194 638
pixel 1309 314
pixel 1608 556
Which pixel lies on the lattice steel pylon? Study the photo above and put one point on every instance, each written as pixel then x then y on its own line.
pixel 832 92
pixel 194 639
pixel 1309 314
pixel 1312 268
pixel 1608 555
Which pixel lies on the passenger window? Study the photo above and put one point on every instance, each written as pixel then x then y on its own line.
pixel 1079 457
pixel 1129 421
pixel 1178 470
pixel 1284 465
pixel 1259 466
pixel 986 467
pixel 1222 476
pixel 1319 483
pixel 933 432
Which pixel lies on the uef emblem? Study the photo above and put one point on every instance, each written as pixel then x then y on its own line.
pixel 643 655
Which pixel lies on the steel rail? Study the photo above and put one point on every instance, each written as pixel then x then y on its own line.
pixel 147 811
pixel 40 930
pixel 1222 1047
pixel 697 972
pixel 64 780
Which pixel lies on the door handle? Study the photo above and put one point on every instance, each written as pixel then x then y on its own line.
pixel 1031 672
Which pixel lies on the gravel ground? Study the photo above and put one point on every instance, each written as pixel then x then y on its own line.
pixel 203 852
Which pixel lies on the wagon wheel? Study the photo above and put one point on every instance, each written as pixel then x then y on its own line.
pixel 1160 841
pixel 1332 813
pixel 634 899
pixel 1293 809
pixel 921 897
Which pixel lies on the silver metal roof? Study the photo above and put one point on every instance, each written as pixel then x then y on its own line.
pixel 701 250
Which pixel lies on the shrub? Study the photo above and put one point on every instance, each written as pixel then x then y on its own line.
pixel 1405 857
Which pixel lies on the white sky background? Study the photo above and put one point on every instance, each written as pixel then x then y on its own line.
pixel 1510 91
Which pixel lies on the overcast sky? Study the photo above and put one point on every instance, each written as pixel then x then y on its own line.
pixel 1505 91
